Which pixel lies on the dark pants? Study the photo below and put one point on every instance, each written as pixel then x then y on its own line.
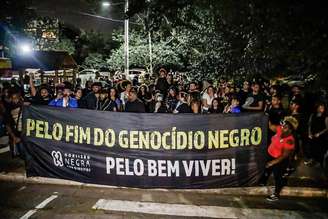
pixel 278 171
pixel 19 150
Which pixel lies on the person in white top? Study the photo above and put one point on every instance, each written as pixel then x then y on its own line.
pixel 124 96
pixel 207 98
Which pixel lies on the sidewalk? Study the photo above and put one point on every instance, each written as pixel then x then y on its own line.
pixel 306 176
pixel 304 182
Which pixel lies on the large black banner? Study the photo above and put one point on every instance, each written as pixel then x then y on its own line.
pixel 145 150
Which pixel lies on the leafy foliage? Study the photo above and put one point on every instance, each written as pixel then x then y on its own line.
pixel 46 34
pixel 63 45
pixel 96 42
pixel 92 42
pixel 244 37
pixel 163 53
pixel 14 15
pixel 94 61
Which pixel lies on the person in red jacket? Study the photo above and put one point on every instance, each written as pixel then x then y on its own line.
pixel 282 145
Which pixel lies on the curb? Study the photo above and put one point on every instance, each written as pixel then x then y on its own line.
pixel 239 191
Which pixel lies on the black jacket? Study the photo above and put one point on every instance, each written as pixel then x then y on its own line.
pixel 136 106
pixel 89 101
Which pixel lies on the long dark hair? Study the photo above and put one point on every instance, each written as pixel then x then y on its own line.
pixel 142 86
pixel 116 93
pixel 317 105
pixel 218 100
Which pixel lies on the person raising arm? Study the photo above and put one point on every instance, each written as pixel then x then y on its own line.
pixel 255 100
pixel 282 145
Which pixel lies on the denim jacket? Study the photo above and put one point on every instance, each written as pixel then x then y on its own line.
pixel 72 103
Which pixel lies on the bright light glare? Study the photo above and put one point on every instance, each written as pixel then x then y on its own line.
pixel 106 4
pixel 25 48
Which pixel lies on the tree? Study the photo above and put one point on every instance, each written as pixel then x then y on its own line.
pixel 63 45
pixel 47 34
pixel 246 37
pixel 94 42
pixel 94 61
pixel 14 16
pixel 163 53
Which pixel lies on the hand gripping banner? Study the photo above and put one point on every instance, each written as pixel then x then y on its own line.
pixel 145 150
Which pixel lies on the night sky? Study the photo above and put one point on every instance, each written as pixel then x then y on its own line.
pixel 69 12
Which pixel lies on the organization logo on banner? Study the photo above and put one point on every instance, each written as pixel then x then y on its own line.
pixel 58 158
pixel 79 162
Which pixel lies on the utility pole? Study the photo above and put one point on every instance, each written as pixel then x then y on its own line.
pixel 150 53
pixel 126 40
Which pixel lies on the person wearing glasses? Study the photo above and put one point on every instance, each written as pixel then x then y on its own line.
pixel 282 145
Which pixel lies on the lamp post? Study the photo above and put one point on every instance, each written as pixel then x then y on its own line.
pixel 126 33
pixel 150 54
pixel 126 40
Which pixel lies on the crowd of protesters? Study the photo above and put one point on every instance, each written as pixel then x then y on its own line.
pixel 298 122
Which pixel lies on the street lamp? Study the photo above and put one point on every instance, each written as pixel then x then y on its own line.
pixel 126 33
pixel 25 48
pixel 105 4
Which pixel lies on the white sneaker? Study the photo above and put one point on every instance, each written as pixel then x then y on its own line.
pixel 272 198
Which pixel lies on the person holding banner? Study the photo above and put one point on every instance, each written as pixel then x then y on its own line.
pixel 105 103
pixel 65 100
pixel 14 123
pixel 134 105
pixel 91 99
pixel 182 106
pixel 282 145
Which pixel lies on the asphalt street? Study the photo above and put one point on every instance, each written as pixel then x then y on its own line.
pixel 53 201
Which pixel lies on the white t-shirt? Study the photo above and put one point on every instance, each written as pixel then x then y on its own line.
pixel 208 99
pixel 124 97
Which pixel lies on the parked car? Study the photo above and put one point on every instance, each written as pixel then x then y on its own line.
pixel 87 75
pixel 136 72
pixel 141 73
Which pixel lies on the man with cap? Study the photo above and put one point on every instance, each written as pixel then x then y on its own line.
pixel 66 100
pixel 91 99
pixel 282 145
